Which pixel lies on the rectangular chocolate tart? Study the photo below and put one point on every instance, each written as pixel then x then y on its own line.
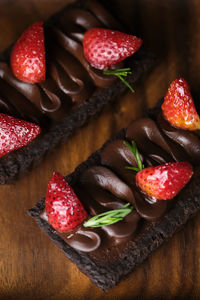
pixel 60 105
pixel 105 271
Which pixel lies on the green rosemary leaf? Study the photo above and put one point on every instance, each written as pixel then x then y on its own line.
pixel 132 168
pixel 121 73
pixel 109 217
pixel 126 83
pixel 136 154
pixel 124 71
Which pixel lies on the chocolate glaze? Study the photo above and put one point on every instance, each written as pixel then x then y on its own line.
pixel 70 78
pixel 104 179
pixel 188 141
pixel 110 185
pixel 84 237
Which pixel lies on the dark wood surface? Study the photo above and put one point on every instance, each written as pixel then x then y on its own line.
pixel 31 267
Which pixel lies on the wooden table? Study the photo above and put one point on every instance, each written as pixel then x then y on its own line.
pixel 31 267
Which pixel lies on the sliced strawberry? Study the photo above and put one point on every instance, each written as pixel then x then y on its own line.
pixel 28 55
pixel 104 47
pixel 15 133
pixel 64 210
pixel 178 107
pixel 164 182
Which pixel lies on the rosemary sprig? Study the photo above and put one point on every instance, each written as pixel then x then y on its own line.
pixel 136 154
pixel 121 73
pixel 109 217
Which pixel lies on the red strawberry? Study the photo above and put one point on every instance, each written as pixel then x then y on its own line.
pixel 15 133
pixel 178 107
pixel 164 182
pixel 28 55
pixel 63 208
pixel 104 47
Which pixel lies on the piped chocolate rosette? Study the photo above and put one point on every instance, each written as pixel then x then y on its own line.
pixel 137 180
pixel 55 66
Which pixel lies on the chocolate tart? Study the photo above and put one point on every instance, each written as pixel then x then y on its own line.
pixel 73 91
pixel 113 251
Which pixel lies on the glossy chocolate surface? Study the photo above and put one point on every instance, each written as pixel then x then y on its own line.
pixel 70 79
pixel 110 185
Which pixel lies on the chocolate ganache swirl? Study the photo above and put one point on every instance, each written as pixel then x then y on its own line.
pixel 110 185
pixel 70 79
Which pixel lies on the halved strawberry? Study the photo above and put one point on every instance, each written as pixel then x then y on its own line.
pixel 178 107
pixel 104 47
pixel 15 133
pixel 28 55
pixel 164 182
pixel 64 210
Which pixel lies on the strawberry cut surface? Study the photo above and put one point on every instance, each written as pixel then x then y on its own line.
pixel 164 182
pixel 63 208
pixel 104 47
pixel 28 55
pixel 178 106
pixel 15 133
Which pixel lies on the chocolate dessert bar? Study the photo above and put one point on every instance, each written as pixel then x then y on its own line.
pixel 73 90
pixel 105 182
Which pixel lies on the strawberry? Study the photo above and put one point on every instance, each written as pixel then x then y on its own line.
pixel 178 107
pixel 104 47
pixel 15 133
pixel 28 55
pixel 63 208
pixel 164 182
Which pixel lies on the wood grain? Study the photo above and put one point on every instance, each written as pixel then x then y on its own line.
pixel 31 267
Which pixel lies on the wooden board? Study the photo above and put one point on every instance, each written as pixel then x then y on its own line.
pixel 31 267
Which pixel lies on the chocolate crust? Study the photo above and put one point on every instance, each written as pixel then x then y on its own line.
pixel 108 275
pixel 17 162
